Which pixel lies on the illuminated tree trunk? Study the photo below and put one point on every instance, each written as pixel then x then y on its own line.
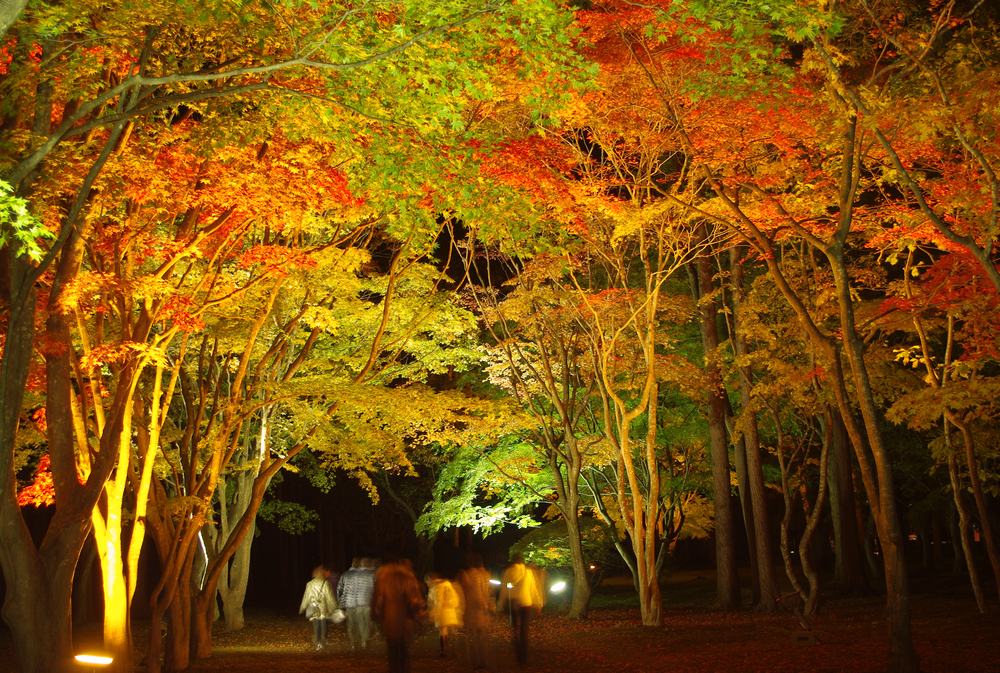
pixel 580 603
pixel 235 575
pixel 568 493
pixel 233 585
pixel 639 506
pixel 38 602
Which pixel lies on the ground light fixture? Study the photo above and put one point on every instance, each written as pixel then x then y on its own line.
pixel 558 587
pixel 93 661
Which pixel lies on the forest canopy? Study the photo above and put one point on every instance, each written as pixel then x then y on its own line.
pixel 634 272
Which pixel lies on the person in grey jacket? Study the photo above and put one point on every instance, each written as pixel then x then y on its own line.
pixel 354 591
pixel 318 605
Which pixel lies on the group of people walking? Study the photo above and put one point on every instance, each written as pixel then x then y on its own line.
pixel 392 596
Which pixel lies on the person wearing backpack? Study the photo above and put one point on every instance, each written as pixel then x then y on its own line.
pixel 318 605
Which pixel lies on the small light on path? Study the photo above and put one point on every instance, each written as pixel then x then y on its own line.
pixel 92 661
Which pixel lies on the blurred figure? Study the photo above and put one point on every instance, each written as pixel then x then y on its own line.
pixel 318 604
pixel 474 582
pixel 332 577
pixel 397 606
pixel 445 607
pixel 354 592
pixel 521 596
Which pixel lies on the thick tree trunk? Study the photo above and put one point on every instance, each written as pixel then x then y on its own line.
pixel 38 602
pixel 178 651
pixel 233 585
pixel 202 613
pixel 37 648
pixel 580 602
pixel 727 581
pixel 235 574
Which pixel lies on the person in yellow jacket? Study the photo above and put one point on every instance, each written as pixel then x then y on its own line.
pixel 444 603
pixel 521 595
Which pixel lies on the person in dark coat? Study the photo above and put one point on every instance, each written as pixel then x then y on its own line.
pixel 475 584
pixel 398 607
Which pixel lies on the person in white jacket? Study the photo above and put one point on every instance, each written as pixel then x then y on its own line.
pixel 318 604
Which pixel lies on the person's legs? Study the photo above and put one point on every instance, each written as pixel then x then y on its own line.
pixel 477 646
pixel 521 636
pixel 396 649
pixel 319 632
pixel 364 624
pixel 352 626
pixel 515 630
pixel 405 644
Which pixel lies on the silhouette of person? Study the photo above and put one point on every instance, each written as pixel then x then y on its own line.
pixel 397 606
pixel 444 603
pixel 474 581
pixel 318 604
pixel 521 596
pixel 354 592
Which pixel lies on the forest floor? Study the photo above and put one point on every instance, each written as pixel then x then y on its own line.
pixel 848 636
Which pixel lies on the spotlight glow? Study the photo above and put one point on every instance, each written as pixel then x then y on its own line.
pixel 93 659
pixel 495 582
pixel 558 587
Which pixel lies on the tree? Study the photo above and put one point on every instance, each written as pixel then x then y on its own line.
pixel 151 60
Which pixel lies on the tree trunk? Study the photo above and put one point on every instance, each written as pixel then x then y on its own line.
pixel 805 551
pixel 727 581
pixel 38 602
pixel 982 509
pixel 178 652
pixel 37 646
pixel 963 534
pixel 849 573
pixel 233 585
pixel 762 549
pixel 580 602
pixel 202 612
pixel 882 495
pixel 746 508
